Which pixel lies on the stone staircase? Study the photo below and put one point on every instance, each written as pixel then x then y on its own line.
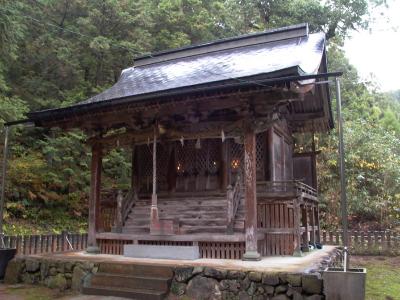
pixel 196 214
pixel 141 282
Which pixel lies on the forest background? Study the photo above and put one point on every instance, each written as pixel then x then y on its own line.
pixel 54 53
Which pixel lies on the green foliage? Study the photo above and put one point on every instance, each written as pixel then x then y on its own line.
pixel 372 142
pixel 55 53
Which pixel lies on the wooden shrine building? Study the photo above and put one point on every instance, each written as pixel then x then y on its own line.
pixel 211 130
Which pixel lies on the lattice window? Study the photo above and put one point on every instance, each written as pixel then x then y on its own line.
pixel 185 158
pixel 146 161
pixel 260 155
pixel 192 160
pixel 146 165
pixel 236 156
pixel 162 166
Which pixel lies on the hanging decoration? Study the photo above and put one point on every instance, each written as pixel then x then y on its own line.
pixel 198 144
pixel 222 135
pixel 182 141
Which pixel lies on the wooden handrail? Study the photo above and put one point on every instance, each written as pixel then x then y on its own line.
pixel 124 206
pixel 287 186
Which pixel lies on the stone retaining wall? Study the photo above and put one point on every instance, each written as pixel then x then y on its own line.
pixel 197 283
pixel 57 274
pixel 209 283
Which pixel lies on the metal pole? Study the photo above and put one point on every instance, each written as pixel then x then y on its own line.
pixel 343 196
pixel 3 180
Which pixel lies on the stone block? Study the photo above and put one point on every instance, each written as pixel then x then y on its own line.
pixel 235 275
pixel 203 288
pixel 255 276
pixel 164 252
pixel 197 270
pixel 214 273
pixel 32 265
pixel 311 284
pixel 178 288
pixel 57 282
pixel 252 289
pixel 294 279
pixel 44 269
pixel 231 285
pixel 314 297
pixel 13 271
pixel 244 296
pixel 280 297
pixel 281 289
pixel 183 274
pixel 77 278
pixel 270 279
pixel 269 290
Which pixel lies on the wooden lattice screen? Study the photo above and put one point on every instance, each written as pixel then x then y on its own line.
pixel 261 146
pixel 146 166
pixel 198 164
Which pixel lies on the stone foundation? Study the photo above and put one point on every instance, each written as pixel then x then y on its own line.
pixel 55 274
pixel 188 282
pixel 208 283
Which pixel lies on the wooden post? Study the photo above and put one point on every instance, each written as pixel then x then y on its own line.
pixel 306 227
pixel 312 221
pixel 224 165
pixel 94 199
pixel 318 234
pixel 134 173
pixel 154 218
pixel 250 194
pixel 297 233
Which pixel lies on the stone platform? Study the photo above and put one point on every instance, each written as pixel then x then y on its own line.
pixel 271 278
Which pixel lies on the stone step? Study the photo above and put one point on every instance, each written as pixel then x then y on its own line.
pixel 133 282
pixel 136 270
pixel 138 294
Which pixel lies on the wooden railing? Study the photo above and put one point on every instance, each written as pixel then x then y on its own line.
pixel 365 242
pixel 234 195
pixel 46 243
pixel 124 206
pixel 115 208
pixel 286 186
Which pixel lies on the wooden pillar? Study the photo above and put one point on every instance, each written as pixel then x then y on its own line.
pixel 270 140
pixel 306 227
pixel 154 209
pixel 94 199
pixel 224 165
pixel 296 229
pixel 312 223
pixel 250 195
pixel 134 171
pixel 318 237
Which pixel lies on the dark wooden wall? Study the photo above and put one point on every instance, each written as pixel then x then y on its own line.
pixel 304 168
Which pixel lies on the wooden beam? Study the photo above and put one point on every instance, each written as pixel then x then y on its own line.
pixel 94 198
pixel 250 194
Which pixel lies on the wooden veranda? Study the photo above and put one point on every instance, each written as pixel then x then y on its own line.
pixel 211 131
